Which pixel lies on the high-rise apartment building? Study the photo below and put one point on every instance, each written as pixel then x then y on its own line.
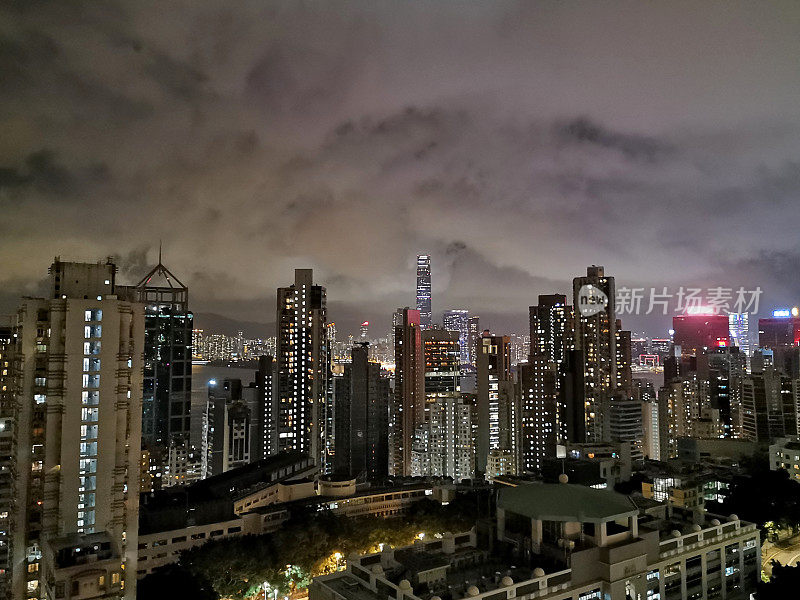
pixel 266 442
pixel 303 363
pixel 8 451
pixel 459 320
pixel 540 419
pixel 424 290
pixel 361 408
pixel 408 403
pixel 622 420
pixel 769 406
pixel 78 386
pixel 624 370
pixel 551 327
pixel 727 368
pixel 443 442
pixel 499 426
pixel 596 336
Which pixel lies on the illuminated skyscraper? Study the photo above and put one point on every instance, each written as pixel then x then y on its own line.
pixel 78 388
pixel 424 290
pixel 364 330
pixel 739 326
pixel 303 364
pixel 458 320
pixel 596 337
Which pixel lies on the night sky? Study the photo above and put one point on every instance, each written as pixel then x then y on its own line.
pixel 514 142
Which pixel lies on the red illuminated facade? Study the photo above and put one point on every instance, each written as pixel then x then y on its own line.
pixel 693 333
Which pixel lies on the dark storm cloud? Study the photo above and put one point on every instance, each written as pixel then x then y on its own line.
pixel 516 142
pixel 636 147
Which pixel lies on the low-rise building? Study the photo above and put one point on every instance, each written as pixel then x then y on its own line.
pixel 563 542
pixel 785 454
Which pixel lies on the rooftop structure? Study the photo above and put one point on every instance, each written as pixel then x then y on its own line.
pixel 563 542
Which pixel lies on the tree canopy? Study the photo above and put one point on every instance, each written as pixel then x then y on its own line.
pixel 308 544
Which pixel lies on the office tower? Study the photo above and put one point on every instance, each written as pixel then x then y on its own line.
pixel 727 368
pixel 459 320
pixel 499 427
pixel 361 405
pixel 266 442
pixel 408 406
pixel 8 450
pixel 78 390
pixel 782 329
pixel 167 376
pixel 624 374
pixel 226 428
pixel 622 420
pixel 596 336
pixel 303 368
pixel 739 328
pixel 424 290
pixel 538 392
pixel 695 333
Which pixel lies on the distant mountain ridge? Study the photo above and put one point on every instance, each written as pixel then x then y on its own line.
pixel 214 323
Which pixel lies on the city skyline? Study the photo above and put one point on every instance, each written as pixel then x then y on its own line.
pixel 333 140
pixel 427 300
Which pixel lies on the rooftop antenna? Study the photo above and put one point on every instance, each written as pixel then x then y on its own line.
pixel 159 251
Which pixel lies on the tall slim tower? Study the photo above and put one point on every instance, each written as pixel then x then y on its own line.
pixel 266 409
pixel 78 386
pixel 303 364
pixel 424 290
pixel 8 451
pixel 596 337
pixel 540 422
pixel 167 377
pixel 408 407
pixel 498 410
